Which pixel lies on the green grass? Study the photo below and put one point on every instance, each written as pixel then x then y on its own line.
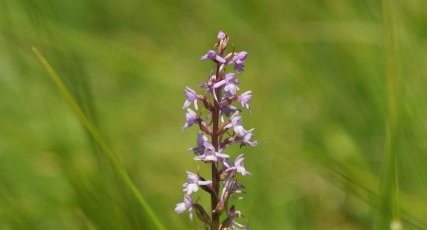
pixel 99 139
pixel 338 110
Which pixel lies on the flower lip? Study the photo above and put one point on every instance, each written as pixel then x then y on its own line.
pixel 239 166
pixel 187 205
pixel 193 182
pixel 245 98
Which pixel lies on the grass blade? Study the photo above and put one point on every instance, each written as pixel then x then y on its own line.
pixel 99 139
pixel 389 215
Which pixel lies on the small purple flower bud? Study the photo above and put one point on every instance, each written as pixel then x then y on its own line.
pixel 187 205
pixel 244 99
pixel 191 96
pixel 193 182
pixel 190 118
pixel 221 35
pixel 209 55
pixel 222 41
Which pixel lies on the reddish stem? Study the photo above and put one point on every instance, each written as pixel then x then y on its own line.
pixel 215 143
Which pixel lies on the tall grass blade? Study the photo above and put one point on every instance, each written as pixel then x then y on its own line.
pixel 99 139
pixel 389 213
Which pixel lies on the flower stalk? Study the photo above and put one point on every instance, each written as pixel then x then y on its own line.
pixel 223 124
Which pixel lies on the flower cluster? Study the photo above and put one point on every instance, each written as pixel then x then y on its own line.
pixel 220 125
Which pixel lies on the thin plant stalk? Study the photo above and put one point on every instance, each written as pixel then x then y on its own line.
pixel 215 143
pixel 389 215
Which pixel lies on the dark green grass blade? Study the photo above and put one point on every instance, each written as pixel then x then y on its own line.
pixel 99 139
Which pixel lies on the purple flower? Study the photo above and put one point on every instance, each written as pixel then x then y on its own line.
pixel 200 148
pixel 228 109
pixel 246 137
pixel 236 123
pixel 191 96
pixel 211 54
pixel 210 154
pixel 244 99
pixel 239 166
pixel 239 60
pixel 190 118
pixel 187 205
pixel 206 85
pixel 193 182
pixel 230 82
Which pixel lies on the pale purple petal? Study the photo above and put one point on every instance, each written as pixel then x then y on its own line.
pixel 187 103
pixel 228 109
pixel 180 208
pixel 204 57
pixel 200 148
pixel 191 188
pixel 244 99
pixel 239 60
pixel 222 155
pixel 211 54
pixel 190 118
pixel 241 56
pixel 187 205
pixel 204 182
pixel 220 59
pixel 210 158
pixel 246 138
pixel 221 35
pixel 188 202
pixel 219 84
pixel 192 177
pixel 191 96
pixel 232 88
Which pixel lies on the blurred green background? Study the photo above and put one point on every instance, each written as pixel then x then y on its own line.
pixel 317 72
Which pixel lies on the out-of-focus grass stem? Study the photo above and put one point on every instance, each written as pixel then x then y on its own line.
pixel 389 216
pixel 99 139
